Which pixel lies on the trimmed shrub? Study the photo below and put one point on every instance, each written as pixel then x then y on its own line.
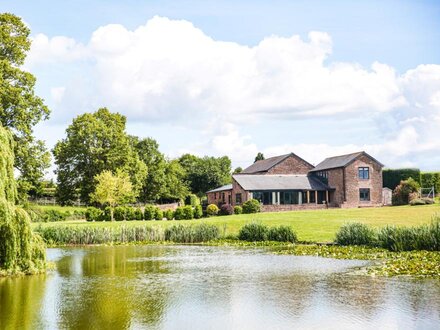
pixel 130 213
pixel 178 213
pixel 158 214
pixel 253 232
pixel 192 200
pixel 355 234
pixel 119 213
pixel 226 209
pixel 169 214
pixel 238 210
pixel 212 210
pixel 106 214
pixel 93 214
pixel 149 212
pixel 251 206
pixel 282 234
pixel 192 233
pixel 138 215
pixel 188 212
pixel 198 212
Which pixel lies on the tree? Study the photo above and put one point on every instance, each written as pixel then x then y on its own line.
pixel 237 170
pixel 175 187
pixel 258 157
pixel 203 174
pixel 112 189
pixel 154 185
pixel 95 142
pixel 20 108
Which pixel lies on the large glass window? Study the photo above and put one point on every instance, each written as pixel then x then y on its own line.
pixel 312 197
pixel 364 173
pixel 238 199
pixel 264 197
pixel 289 197
pixel 364 194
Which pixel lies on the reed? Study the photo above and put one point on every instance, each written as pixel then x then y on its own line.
pixel 192 234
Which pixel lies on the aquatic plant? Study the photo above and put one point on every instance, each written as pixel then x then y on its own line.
pixel 282 234
pixel 192 233
pixel 253 232
pixel 355 234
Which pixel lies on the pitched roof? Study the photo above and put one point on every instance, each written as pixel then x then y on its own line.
pixel 279 182
pixel 266 164
pixel 340 161
pixel 222 188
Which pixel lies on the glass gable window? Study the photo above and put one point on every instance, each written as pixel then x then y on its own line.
pixel 364 194
pixel 364 173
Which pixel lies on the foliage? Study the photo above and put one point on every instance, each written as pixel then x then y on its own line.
pixel 355 234
pixel 178 213
pixel 393 177
pixel 258 157
pixel 226 209
pixel 82 235
pixel 198 212
pixel 120 213
pixel 203 174
pixel 188 212
pixel 212 210
pixel 253 232
pixel 430 179
pixel 95 142
pixel 237 170
pixel 20 108
pixel 251 206
pixel 192 233
pixel 282 234
pixel 20 249
pixel 112 189
pixel 93 214
pixel 238 209
pixel 402 193
pixel 192 200
pixel 158 213
pixel 175 188
pixel 149 212
pixel 169 214
pixel 138 214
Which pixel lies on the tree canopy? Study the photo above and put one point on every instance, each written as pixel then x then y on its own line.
pixel 203 174
pixel 20 108
pixel 258 157
pixel 95 142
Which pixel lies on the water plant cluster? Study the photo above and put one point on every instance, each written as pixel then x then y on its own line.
pixel 257 232
pixel 393 238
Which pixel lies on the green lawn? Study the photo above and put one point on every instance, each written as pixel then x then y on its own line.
pixel 313 225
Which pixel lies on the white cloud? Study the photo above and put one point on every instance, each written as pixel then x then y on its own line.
pixel 170 71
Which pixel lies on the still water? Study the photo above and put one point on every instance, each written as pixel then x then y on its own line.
pixel 193 287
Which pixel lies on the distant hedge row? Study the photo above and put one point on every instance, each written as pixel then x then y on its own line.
pixel 392 178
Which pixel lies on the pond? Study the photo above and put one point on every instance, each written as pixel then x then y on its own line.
pixel 199 287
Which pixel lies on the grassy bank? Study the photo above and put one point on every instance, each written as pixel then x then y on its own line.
pixel 310 226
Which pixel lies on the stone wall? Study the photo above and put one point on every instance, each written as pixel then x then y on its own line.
pixel 291 165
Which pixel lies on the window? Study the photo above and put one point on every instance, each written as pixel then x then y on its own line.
pixel 312 197
pixel 264 197
pixel 364 194
pixel 288 197
pixel 364 173
pixel 238 199
pixel 223 197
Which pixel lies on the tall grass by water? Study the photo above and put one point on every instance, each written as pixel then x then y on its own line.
pixel 192 233
pixel 393 238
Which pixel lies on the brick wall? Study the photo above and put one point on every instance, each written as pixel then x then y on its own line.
pixel 216 198
pixel 336 181
pixel 353 183
pixel 237 189
pixel 291 165
pixel 292 207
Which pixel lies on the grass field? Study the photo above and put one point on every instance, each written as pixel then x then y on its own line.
pixel 312 225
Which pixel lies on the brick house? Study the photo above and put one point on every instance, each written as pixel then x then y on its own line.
pixel 288 182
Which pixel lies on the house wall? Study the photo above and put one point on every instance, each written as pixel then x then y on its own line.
pixel 336 181
pixel 292 207
pixel 353 183
pixel 237 189
pixel 216 198
pixel 291 165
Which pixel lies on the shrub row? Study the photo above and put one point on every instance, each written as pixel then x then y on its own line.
pixel 424 237
pixel 39 215
pixel 250 206
pixel 255 232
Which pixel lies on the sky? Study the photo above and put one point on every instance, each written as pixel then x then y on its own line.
pixel 317 78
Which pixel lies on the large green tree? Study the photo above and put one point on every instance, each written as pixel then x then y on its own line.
pixel 203 174
pixel 95 142
pixel 20 108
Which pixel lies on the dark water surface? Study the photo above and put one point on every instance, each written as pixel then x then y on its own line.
pixel 193 287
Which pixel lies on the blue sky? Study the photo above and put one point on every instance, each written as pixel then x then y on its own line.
pixel 236 80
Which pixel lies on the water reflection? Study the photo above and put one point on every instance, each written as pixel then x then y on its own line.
pixel 190 287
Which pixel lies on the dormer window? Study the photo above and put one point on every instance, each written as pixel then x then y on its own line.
pixel 364 173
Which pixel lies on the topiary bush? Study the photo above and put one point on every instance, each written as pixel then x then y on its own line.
pixel 251 206
pixel 226 209
pixel 282 234
pixel 253 232
pixel 138 214
pixel 93 214
pixel 212 210
pixel 149 212
pixel 178 213
pixel 355 234
pixel 130 213
pixel 106 214
pixel 198 212
pixel 119 213
pixel 158 213
pixel 188 212
pixel 169 214
pixel 238 209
